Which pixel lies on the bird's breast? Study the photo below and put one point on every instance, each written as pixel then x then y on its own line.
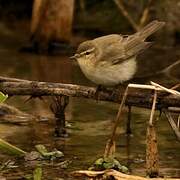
pixel 107 74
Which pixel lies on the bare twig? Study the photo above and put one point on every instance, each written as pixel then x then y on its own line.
pixel 145 14
pixel 125 13
pixel 155 86
pixel 174 109
pixel 112 173
pixel 110 145
pixel 173 124
pixel 176 86
pixel 153 108
pixel 171 91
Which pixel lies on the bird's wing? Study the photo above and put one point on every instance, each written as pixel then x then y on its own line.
pixel 121 48
pixel 108 47
pixel 117 48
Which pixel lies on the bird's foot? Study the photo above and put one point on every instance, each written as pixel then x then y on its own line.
pixel 115 92
pixel 99 89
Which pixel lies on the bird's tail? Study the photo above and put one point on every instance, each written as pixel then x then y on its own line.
pixel 135 44
pixel 150 29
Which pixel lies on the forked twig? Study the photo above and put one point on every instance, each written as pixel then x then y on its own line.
pixel 171 91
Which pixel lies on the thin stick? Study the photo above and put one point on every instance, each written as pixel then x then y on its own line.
pixel 118 117
pixel 145 14
pixel 155 86
pixel 111 173
pixel 176 86
pixel 174 109
pixel 153 108
pixel 126 14
pixel 171 91
pixel 110 143
pixel 173 124
pixel 143 86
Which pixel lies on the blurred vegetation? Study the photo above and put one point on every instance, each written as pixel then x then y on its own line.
pixel 98 17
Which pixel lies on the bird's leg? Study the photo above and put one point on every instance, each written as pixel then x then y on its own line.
pixel 99 89
pixel 128 127
pixel 115 91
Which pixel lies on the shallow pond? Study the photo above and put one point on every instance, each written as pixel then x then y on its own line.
pixel 89 122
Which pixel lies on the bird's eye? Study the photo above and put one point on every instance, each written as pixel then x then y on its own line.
pixel 87 53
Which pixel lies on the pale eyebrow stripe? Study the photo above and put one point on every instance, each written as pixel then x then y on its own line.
pixel 89 50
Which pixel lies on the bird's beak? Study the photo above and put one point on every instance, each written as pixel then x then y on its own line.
pixel 74 57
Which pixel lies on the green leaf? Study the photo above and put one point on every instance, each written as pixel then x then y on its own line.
pixel 3 97
pixel 124 169
pixel 108 165
pixel 44 152
pixel 9 148
pixel 99 162
pixel 37 174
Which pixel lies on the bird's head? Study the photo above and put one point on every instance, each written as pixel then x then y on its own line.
pixel 85 52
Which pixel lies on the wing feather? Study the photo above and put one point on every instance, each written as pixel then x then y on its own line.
pixel 116 48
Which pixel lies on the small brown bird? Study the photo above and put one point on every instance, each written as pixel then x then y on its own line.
pixel 111 60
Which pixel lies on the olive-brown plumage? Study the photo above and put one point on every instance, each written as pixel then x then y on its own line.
pixel 111 60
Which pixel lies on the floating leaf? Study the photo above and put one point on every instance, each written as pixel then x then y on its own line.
pixel 124 169
pixel 108 163
pixel 99 161
pixel 44 152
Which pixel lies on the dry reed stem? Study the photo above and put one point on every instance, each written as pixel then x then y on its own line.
pixel 110 145
pixel 152 160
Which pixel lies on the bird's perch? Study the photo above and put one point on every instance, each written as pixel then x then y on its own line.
pixel 138 97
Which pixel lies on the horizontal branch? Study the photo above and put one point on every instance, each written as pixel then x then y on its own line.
pixel 136 97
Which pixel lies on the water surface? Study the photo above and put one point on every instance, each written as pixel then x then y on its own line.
pixel 90 121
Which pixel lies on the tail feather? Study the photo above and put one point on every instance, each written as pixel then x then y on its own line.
pixel 135 44
pixel 150 29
